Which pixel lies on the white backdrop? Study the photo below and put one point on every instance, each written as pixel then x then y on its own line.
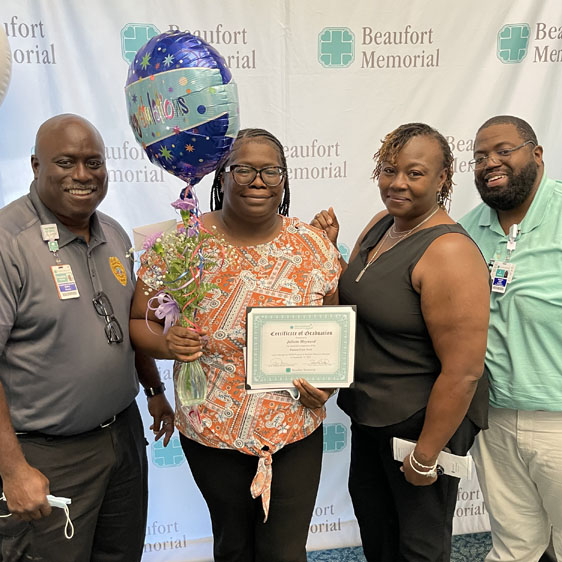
pixel 330 79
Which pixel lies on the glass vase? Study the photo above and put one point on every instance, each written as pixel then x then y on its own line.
pixel 191 384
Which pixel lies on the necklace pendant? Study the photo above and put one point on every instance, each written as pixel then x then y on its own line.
pixel 358 278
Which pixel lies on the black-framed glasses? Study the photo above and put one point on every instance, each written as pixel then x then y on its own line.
pixel 272 176
pixel 102 305
pixel 501 155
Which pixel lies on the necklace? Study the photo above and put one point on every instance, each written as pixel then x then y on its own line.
pixel 401 235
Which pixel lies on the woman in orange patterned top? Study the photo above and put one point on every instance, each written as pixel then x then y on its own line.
pixel 255 457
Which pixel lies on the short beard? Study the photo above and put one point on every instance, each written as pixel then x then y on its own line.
pixel 514 194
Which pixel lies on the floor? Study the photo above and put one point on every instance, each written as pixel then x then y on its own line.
pixel 466 548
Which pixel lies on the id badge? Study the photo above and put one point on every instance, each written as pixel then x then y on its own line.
pixel 64 281
pixel 502 274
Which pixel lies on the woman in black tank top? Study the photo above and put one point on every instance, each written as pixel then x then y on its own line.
pixel 421 288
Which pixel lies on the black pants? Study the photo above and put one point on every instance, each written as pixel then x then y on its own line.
pixel 400 522
pixel 104 473
pixel 239 533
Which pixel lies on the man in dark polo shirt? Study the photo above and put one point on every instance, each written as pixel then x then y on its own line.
pixel 69 424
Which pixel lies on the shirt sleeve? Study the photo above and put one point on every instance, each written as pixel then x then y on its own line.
pixel 11 282
pixel 327 257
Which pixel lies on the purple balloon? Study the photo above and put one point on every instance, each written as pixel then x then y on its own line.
pixel 182 104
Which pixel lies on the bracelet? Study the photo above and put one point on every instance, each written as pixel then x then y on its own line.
pixel 429 474
pixel 153 391
pixel 433 467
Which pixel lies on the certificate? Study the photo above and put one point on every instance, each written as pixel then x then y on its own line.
pixel 316 343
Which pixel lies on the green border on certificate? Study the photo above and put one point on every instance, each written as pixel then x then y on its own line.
pixel 316 343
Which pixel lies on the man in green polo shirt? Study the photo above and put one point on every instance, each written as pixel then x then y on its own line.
pixel 518 227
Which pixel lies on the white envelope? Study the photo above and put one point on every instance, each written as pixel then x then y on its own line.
pixel 141 233
pixel 453 465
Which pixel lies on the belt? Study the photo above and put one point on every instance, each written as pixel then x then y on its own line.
pixel 49 437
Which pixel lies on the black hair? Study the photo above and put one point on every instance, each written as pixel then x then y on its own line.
pixel 523 128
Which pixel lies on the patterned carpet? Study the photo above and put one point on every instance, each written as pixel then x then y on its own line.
pixel 466 548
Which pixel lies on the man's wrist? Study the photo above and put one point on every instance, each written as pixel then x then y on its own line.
pixel 151 391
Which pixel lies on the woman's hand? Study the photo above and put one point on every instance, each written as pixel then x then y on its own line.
pixel 310 396
pixel 328 222
pixel 185 344
pixel 413 477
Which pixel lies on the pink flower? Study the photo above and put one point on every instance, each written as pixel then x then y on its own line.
pixel 184 204
pixel 149 241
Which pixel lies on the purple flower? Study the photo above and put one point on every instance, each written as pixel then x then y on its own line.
pixel 149 241
pixel 184 204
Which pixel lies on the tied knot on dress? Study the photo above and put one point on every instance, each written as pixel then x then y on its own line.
pixel 261 484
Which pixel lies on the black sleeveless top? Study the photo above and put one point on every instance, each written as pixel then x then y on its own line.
pixel 395 364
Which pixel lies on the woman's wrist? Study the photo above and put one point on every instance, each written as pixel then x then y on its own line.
pixel 428 471
pixel 427 458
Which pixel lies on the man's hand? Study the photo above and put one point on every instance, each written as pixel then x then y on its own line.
pixel 26 493
pixel 163 415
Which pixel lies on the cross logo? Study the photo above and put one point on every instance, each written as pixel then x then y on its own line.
pixel 336 47
pixel 166 457
pixel 513 41
pixel 335 437
pixel 344 251
pixel 134 36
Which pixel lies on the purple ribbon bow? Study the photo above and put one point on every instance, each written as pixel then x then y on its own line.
pixel 167 309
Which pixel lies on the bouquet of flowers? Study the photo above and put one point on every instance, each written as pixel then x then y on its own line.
pixel 174 263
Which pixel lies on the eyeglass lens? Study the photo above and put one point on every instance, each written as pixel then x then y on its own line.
pixel 245 175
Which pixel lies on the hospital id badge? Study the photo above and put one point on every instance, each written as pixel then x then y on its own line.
pixel 65 282
pixel 502 274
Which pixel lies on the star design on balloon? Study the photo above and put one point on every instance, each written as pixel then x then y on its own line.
pixel 168 60
pixel 189 147
pixel 134 98
pixel 165 153
pixel 145 61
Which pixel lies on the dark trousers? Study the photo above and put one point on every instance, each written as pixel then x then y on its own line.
pixel 104 473
pixel 400 522
pixel 239 533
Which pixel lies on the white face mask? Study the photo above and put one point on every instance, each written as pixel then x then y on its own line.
pixel 61 503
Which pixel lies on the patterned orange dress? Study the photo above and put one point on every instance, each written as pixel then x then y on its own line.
pixel 298 268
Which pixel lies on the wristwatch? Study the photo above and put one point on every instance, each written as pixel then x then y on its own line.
pixel 154 390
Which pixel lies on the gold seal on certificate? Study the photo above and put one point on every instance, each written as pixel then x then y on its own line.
pixel 316 343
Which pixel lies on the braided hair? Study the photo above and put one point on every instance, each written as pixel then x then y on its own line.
pixel 395 141
pixel 256 135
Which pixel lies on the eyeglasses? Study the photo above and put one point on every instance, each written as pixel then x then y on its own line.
pixel 272 176
pixel 102 305
pixel 498 155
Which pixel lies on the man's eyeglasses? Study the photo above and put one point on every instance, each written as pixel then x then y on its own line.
pixel 501 155
pixel 103 307
pixel 272 176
